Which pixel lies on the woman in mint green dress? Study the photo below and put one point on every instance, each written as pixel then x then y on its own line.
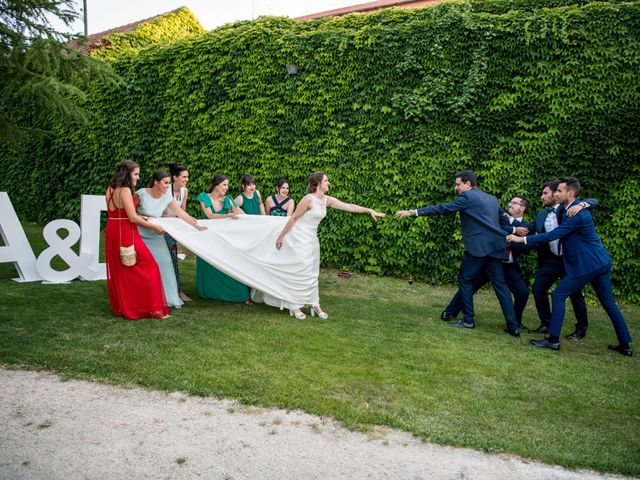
pixel 249 199
pixel 210 282
pixel 152 202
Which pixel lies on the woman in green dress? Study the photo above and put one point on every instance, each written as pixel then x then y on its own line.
pixel 211 283
pixel 249 199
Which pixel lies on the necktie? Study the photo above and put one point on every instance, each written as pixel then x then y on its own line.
pixel 550 210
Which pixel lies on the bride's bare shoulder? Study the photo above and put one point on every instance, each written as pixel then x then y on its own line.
pixel 305 202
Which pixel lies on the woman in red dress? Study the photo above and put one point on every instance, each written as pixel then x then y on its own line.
pixel 134 291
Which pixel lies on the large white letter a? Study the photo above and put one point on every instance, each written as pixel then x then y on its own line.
pixel 16 246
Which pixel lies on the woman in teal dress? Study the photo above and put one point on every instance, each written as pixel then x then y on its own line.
pixel 249 199
pixel 210 282
pixel 152 202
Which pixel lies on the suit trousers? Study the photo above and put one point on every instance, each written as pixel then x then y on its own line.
pixel 470 269
pixel 600 280
pixel 550 271
pixel 515 282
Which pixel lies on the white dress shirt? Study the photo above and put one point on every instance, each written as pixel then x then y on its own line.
pixel 551 223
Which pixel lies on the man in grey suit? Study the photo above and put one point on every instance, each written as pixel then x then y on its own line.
pixel 485 246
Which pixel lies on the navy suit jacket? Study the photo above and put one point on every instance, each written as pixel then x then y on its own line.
pixel 480 222
pixel 543 250
pixel 583 252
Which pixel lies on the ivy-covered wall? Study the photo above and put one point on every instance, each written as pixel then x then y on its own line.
pixel 390 105
pixel 167 28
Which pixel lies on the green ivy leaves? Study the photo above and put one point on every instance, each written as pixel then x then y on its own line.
pixel 390 105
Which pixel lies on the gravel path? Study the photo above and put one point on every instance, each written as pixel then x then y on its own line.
pixel 54 429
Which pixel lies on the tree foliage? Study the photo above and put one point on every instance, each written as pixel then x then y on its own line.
pixel 390 105
pixel 41 75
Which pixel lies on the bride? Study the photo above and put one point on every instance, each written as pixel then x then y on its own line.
pixel 278 257
pixel 301 234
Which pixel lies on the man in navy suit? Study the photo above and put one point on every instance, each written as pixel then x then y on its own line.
pixel 585 261
pixel 551 267
pixel 484 242
pixel 512 271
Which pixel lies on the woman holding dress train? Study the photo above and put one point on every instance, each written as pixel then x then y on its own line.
pixel 152 202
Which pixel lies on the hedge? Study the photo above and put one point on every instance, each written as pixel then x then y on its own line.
pixel 165 29
pixel 390 105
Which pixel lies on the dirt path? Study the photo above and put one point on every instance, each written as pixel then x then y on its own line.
pixel 53 429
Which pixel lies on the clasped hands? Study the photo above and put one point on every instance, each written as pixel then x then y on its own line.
pixel 513 238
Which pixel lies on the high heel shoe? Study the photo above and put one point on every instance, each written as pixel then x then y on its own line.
pixel 299 314
pixel 316 311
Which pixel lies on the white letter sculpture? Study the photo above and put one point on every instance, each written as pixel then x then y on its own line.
pixel 16 246
pixel 86 265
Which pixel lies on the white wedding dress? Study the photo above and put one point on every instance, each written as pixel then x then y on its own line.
pixel 245 249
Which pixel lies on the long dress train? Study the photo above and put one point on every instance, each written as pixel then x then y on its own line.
pixel 245 250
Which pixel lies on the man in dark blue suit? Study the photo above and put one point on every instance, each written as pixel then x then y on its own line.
pixel 485 246
pixel 585 261
pixel 512 271
pixel 550 265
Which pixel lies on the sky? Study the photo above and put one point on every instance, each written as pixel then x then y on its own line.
pixel 106 14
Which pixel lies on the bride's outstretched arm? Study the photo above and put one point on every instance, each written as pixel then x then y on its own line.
pixel 352 207
pixel 300 210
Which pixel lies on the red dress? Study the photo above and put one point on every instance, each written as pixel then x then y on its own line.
pixel 136 291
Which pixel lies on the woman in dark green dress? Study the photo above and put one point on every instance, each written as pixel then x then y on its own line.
pixel 249 199
pixel 211 283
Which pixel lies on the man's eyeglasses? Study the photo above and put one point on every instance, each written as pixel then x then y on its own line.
pixel 516 203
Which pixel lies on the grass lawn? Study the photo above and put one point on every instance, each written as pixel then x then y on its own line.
pixel 382 358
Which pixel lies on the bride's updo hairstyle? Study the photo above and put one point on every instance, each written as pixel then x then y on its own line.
pixel 315 179
pixel 217 180
pixel 122 175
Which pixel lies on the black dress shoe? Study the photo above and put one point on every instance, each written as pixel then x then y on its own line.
pixel 513 333
pixel 446 316
pixel 540 329
pixel 544 343
pixel 576 335
pixel 621 350
pixel 462 324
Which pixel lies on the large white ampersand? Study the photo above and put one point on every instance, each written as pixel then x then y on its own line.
pixel 61 247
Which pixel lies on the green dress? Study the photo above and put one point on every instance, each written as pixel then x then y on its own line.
pixel 212 283
pixel 250 206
